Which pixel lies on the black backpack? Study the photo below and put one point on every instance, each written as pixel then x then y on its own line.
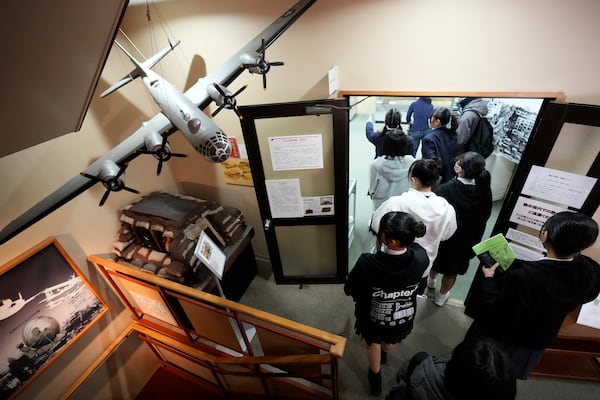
pixel 482 139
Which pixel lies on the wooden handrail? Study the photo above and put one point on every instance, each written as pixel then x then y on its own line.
pixel 253 360
pixel 301 367
pixel 338 343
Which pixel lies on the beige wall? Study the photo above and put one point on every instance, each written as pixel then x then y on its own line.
pixel 391 45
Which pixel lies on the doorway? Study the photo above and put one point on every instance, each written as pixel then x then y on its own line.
pixel 513 116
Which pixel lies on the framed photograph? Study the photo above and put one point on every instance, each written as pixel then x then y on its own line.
pixel 46 303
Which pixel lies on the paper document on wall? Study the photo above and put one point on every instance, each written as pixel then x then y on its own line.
pixel 558 186
pixel 589 315
pixel 499 249
pixel 285 198
pixel 533 213
pixel 296 152
pixel 210 255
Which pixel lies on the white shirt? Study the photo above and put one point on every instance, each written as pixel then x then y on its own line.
pixel 436 213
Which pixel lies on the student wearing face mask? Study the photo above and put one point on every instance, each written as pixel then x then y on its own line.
pixel 384 288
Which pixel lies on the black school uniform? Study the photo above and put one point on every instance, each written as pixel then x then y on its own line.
pixel 384 288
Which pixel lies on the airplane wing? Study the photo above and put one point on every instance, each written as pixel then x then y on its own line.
pixel 231 69
pixel 129 149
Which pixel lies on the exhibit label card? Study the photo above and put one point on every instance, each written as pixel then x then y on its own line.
pixel 526 239
pixel 558 186
pixel 210 255
pixel 319 205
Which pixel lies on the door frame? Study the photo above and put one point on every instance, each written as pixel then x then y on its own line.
pixel 547 97
pixel 555 115
pixel 537 152
pixel 338 108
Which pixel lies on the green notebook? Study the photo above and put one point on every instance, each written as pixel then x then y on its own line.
pixel 498 248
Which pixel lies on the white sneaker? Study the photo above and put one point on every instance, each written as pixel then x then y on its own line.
pixel 430 283
pixel 440 299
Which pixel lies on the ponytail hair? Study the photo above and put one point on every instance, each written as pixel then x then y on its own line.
pixel 393 119
pixel 401 226
pixel 473 166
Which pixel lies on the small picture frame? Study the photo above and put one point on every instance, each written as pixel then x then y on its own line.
pixel 46 304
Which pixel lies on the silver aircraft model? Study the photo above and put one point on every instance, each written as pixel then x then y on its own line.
pixel 179 112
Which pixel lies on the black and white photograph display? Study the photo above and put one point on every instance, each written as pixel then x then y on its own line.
pixel 45 305
pixel 513 121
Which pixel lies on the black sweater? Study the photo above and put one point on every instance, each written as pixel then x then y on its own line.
pixel 384 289
pixel 473 208
pixel 526 305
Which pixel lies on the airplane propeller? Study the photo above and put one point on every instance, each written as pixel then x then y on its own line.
pixel 110 176
pixel 260 64
pixel 224 98
pixel 158 146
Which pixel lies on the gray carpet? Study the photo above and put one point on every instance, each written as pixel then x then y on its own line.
pixel 437 330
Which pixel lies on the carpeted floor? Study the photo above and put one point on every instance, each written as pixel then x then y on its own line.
pixel 437 330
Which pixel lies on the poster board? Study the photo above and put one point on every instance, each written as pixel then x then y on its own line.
pixel 46 305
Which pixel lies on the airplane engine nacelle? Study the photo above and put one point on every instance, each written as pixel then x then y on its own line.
pixel 254 63
pixel 109 173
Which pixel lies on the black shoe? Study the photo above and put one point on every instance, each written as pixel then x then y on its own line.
pixel 383 357
pixel 375 382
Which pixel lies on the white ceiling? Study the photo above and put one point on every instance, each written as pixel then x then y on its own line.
pixel 51 65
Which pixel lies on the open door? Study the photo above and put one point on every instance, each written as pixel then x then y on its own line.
pixel 298 156
pixel 559 171
pixel 567 139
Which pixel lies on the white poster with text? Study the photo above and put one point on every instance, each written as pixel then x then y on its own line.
pixel 558 186
pixel 285 199
pixel 296 152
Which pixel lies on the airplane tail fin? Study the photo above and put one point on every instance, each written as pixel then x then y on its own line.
pixel 139 67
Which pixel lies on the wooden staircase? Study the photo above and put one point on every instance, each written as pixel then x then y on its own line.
pixel 210 346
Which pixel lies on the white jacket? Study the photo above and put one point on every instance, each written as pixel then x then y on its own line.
pixel 436 213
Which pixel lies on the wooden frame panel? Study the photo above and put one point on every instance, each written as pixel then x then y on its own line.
pixel 47 304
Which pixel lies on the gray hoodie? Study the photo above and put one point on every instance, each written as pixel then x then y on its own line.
pixel 468 120
pixel 388 177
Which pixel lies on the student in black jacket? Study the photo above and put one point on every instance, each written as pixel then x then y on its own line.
pixel 384 288
pixel 524 307
pixel 470 194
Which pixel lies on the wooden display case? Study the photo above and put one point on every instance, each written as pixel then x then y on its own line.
pixel 575 353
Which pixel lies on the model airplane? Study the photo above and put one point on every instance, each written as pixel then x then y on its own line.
pixel 179 112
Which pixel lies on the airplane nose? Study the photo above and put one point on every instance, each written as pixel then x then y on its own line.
pixel 222 154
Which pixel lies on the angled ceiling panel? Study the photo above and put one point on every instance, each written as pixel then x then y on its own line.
pixel 53 55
